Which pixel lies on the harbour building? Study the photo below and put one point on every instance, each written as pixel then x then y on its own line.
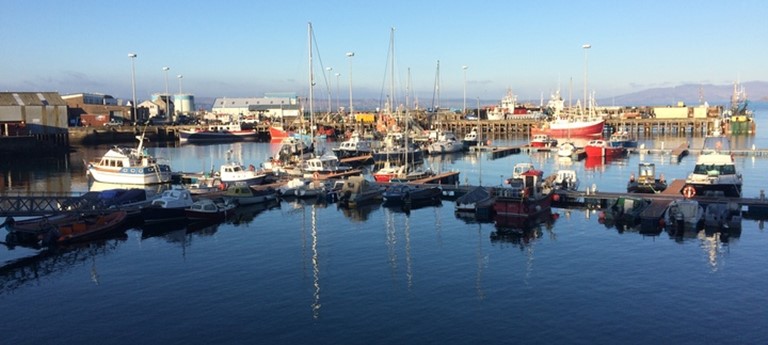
pixel 273 106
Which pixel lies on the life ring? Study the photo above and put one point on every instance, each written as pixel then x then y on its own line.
pixel 689 192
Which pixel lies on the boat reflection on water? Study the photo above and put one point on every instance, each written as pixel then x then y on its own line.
pixel 35 269
pixel 244 215
pixel 361 212
pixel 522 230
pixel 599 163
pixel 152 190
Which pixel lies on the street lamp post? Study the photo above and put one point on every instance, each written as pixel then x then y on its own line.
pixel 329 69
pixel 337 90
pixel 464 110
pixel 133 56
pixel 351 107
pixel 586 48
pixel 167 100
pixel 181 103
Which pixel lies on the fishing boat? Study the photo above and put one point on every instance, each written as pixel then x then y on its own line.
pixel 563 182
pixel 523 196
pixel 217 133
pixel 504 109
pixel 477 202
pixel 715 171
pixel 169 206
pixel 446 143
pixel 622 139
pixel 326 165
pixel 471 139
pixel 563 125
pixel 354 147
pixel 358 191
pixel 132 166
pixel 405 172
pixel 277 132
pixel 209 209
pixel 235 173
pixel 543 140
pixel 566 149
pixel 646 181
pixel 245 195
pixel 601 148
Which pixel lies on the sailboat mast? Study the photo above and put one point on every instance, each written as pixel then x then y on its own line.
pixel 311 86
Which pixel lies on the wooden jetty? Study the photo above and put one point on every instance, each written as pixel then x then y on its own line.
pixel 651 216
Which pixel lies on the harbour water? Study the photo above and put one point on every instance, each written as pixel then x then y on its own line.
pixel 300 273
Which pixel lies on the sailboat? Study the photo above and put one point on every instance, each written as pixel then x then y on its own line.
pixel 404 171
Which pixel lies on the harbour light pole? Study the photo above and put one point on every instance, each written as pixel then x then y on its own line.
pixel 337 90
pixel 464 110
pixel 351 108
pixel 133 56
pixel 586 48
pixel 329 69
pixel 167 99
pixel 181 104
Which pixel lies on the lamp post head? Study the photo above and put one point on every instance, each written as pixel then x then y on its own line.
pixel 464 67
pixel 132 55
pixel 179 76
pixel 166 69
pixel 586 46
pixel 350 54
pixel 338 74
pixel 329 69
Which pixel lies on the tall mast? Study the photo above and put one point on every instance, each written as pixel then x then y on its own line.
pixel 311 87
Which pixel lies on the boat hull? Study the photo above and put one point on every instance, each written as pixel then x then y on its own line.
pixel 602 151
pixel 563 129
pixel 515 206
pixel 145 175
pixel 207 136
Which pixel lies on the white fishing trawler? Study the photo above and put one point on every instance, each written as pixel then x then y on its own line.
pixel 125 165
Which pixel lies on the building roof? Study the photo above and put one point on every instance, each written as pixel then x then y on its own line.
pixel 31 99
pixel 229 102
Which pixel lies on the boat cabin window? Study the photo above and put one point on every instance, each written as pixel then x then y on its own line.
pixel 714 169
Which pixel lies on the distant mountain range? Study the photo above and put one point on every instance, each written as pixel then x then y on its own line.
pixel 691 94
pixel 757 91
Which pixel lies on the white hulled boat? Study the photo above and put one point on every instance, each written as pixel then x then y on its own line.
pixel 215 133
pixel 124 165
pixel 715 171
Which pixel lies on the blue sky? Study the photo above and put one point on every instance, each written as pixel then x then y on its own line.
pixel 248 48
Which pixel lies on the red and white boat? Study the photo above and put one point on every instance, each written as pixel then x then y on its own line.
pixel 566 127
pixel 601 148
pixel 543 140
pixel 569 125
pixel 523 196
pixel 278 132
pixel 217 133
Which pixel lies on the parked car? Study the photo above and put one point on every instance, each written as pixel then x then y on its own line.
pixel 114 122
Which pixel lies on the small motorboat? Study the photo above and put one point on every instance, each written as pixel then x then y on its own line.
pixel 48 231
pixel 646 181
pixel 209 209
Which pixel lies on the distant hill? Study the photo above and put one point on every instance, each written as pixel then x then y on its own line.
pixel 690 94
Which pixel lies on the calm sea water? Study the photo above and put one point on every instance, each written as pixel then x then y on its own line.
pixel 300 273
